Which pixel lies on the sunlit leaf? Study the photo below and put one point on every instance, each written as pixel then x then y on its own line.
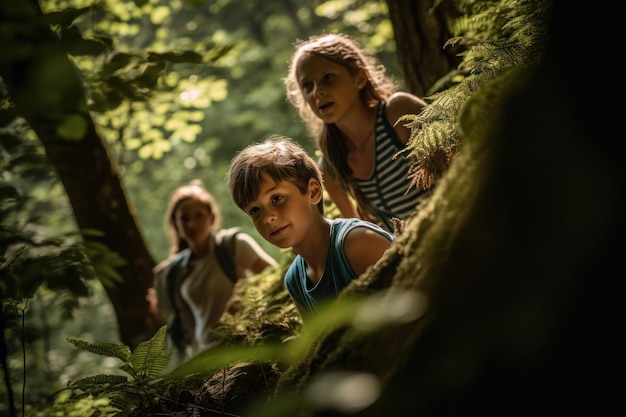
pixel 74 43
pixel 74 127
pixel 159 14
pixel 117 61
pixel 175 57
pixel 65 17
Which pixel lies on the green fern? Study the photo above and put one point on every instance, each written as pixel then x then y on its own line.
pixel 497 36
pixel 145 366
pixel 149 358
pixel 105 349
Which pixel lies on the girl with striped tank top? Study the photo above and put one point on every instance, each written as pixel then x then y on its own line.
pixel 349 105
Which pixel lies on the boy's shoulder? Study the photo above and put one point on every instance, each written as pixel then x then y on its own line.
pixel 343 226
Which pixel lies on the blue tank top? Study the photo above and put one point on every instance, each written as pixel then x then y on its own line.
pixel 387 188
pixel 337 273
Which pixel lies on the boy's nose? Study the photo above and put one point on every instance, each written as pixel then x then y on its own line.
pixel 270 217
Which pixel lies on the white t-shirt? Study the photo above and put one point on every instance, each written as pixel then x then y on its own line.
pixel 204 291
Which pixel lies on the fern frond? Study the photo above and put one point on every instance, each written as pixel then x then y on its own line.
pixel 497 36
pixel 150 358
pixel 128 368
pixel 106 349
pixel 91 383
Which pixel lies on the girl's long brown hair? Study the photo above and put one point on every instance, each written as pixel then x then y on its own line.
pixel 332 142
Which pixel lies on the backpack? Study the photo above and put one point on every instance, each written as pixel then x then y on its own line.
pixel 224 252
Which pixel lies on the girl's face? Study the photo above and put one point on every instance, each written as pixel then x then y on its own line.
pixel 328 88
pixel 282 214
pixel 193 221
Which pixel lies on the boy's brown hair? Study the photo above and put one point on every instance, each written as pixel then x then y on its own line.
pixel 279 158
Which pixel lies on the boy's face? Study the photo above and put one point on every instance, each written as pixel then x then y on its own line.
pixel 282 214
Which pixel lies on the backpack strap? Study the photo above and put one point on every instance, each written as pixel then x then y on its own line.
pixel 175 268
pixel 225 245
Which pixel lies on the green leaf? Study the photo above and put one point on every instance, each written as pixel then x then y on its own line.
pixel 175 57
pixel 74 127
pixel 150 75
pixel 117 61
pixel 65 17
pixel 105 349
pixel 74 43
pixel 8 191
pixel 88 383
pixel 149 357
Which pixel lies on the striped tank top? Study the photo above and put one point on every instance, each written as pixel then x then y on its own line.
pixel 387 188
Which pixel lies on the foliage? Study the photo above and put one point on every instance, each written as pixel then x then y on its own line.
pixel 497 36
pixel 118 395
pixel 30 267
pixel 255 342
pixel 44 280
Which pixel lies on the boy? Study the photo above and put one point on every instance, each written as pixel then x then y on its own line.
pixel 280 187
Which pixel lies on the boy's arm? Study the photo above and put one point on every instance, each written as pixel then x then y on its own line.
pixel 364 247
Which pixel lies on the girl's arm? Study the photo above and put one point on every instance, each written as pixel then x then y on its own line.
pixel 364 247
pixel 252 251
pixel 339 195
pixel 398 105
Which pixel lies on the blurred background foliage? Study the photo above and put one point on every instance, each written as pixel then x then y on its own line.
pixel 224 91
pixel 200 114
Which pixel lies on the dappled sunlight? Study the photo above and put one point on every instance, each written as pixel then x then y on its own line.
pixel 344 391
pixel 397 305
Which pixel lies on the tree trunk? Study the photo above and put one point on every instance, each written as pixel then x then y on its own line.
pixel 420 29
pixel 47 93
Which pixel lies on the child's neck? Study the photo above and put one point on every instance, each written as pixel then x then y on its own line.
pixel 198 250
pixel 315 249
pixel 360 128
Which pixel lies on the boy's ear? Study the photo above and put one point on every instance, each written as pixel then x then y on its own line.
pixel 315 191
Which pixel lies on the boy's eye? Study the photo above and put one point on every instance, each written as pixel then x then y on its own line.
pixel 329 77
pixel 276 198
pixel 253 211
pixel 307 86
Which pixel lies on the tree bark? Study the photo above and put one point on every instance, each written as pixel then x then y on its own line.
pixel 46 90
pixel 420 29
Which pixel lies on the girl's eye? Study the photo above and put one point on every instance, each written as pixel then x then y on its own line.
pixel 329 77
pixel 307 86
